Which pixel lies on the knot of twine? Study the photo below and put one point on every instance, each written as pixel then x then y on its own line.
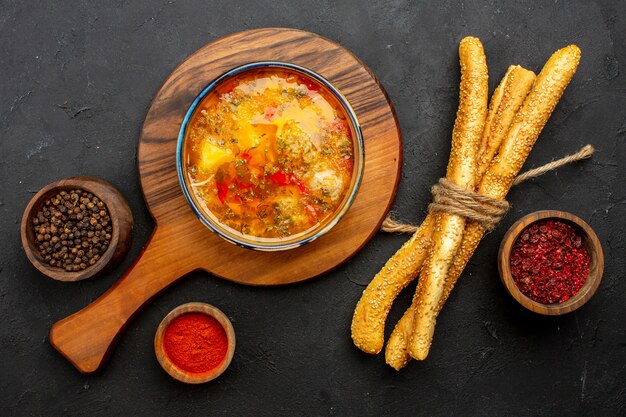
pixel 450 198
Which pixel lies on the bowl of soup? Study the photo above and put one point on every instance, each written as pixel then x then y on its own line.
pixel 270 156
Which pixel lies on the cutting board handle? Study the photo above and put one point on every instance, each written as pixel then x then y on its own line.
pixel 86 338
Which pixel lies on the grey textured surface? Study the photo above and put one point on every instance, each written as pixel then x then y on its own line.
pixel 77 79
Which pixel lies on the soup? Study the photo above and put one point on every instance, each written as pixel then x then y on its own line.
pixel 269 153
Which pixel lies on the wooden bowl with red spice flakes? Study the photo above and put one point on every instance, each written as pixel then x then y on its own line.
pixel 551 262
pixel 195 343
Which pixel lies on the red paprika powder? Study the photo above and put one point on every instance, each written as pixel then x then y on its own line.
pixel 195 342
pixel 549 262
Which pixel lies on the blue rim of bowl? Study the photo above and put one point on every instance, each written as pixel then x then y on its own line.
pixel 257 245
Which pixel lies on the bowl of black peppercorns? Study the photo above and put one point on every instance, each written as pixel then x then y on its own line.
pixel 76 228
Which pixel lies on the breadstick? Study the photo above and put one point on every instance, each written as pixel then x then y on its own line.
pixel 368 321
pixel 527 125
pixel 512 90
pixel 466 138
pixel 530 120
pixel 505 102
pixel 396 351
pixel 370 314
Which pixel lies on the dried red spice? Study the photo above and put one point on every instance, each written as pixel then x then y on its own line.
pixel 549 262
pixel 195 342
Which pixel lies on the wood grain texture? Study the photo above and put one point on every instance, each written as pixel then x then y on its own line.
pixel 180 243
pixel 121 222
pixel 596 263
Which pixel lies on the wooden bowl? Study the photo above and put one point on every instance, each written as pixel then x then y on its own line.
pixel 121 222
pixel 174 371
pixel 591 242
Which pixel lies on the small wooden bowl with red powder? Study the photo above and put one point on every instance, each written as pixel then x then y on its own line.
pixel 551 262
pixel 195 343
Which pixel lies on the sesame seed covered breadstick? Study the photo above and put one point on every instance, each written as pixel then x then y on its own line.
pixel 527 125
pixel 466 139
pixel 505 102
pixel 370 314
pixel 368 321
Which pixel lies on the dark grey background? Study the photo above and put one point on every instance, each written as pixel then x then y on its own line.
pixel 76 82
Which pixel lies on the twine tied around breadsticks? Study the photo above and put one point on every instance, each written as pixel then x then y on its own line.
pixel 487 211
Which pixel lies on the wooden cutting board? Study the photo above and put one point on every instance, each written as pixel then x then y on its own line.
pixel 181 244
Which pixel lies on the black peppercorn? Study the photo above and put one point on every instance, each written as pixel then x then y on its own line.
pixel 72 229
